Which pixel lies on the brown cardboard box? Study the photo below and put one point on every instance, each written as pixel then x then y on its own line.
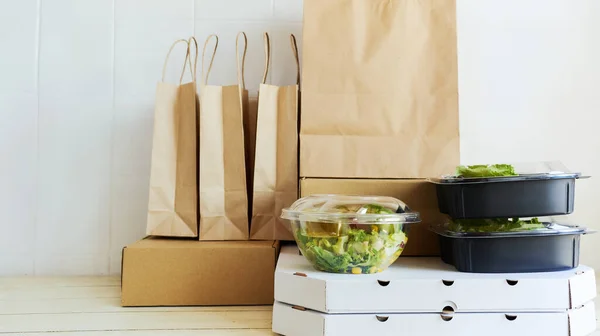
pixel 418 194
pixel 178 272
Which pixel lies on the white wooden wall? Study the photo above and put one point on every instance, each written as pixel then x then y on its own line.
pixel 77 82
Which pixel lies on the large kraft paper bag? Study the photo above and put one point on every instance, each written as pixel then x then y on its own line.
pixel 222 169
pixel 380 89
pixel 276 160
pixel 172 204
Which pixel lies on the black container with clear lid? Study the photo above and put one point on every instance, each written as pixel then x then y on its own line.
pixel 517 190
pixel 551 247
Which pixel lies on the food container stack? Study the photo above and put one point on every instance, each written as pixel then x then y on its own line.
pixel 494 224
pixel 344 278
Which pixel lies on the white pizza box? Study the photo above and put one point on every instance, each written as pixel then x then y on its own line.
pixel 295 321
pixel 417 284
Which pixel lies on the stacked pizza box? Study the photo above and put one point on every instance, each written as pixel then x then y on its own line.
pixel 424 296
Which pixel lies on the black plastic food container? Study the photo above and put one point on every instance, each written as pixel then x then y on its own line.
pixel 555 248
pixel 506 197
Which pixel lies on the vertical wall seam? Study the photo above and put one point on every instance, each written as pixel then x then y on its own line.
pixel 37 123
pixel 272 9
pixel 111 142
pixel 194 19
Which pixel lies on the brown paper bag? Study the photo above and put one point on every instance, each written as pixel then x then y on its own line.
pixel 276 161
pixel 379 91
pixel 172 204
pixel 222 184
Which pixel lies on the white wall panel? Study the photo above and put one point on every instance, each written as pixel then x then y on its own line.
pixel 18 177
pixel 144 31
pixel 75 117
pixel 233 10
pixel 77 83
pixel 18 134
pixel 288 10
pixel 18 42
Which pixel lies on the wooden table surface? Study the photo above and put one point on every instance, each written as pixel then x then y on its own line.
pixel 89 306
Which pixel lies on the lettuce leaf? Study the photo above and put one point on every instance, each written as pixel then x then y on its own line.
pixel 486 170
pixel 494 225
pixel 367 250
pixel 329 261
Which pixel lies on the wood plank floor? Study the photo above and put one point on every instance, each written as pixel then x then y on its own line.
pixel 89 306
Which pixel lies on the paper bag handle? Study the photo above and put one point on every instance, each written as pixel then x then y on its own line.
pixel 295 51
pixel 195 66
pixel 240 67
pixel 187 55
pixel 267 56
pixel 212 58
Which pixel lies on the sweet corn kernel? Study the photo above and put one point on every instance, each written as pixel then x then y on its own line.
pixel 356 270
pixel 373 270
pixel 374 228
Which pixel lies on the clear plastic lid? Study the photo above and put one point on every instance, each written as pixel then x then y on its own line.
pixel 507 172
pixel 547 230
pixel 351 209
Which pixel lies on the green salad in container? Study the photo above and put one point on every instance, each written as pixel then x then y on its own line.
pixel 350 234
pixel 491 224
pixel 494 170
pixel 494 225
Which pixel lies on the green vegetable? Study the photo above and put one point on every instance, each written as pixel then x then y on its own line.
pixel 330 261
pixel 302 240
pixel 377 209
pixel 494 225
pixel 486 170
pixel 339 246
pixel 369 251
pixel 349 247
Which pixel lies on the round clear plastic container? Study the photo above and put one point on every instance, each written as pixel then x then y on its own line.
pixel 350 234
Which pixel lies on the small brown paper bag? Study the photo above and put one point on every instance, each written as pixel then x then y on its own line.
pixel 172 204
pixel 276 161
pixel 379 89
pixel 222 176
